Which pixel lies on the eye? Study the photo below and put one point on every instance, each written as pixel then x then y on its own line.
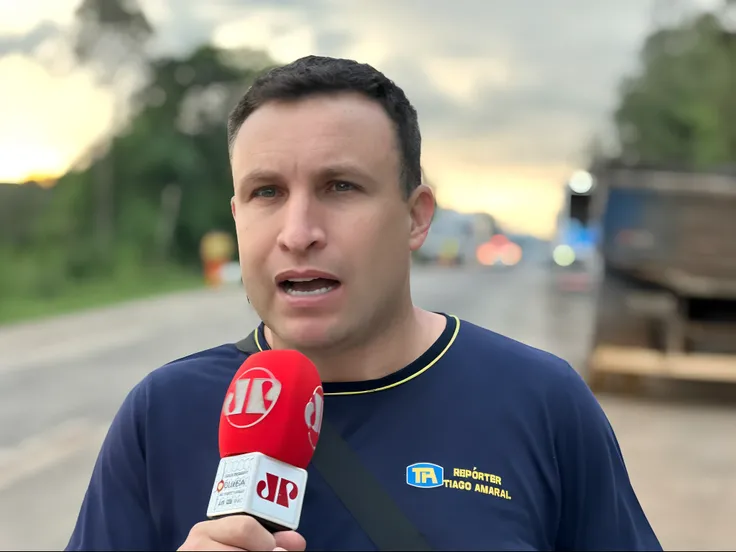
pixel 342 186
pixel 267 192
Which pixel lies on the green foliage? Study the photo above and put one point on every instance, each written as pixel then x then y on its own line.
pixel 680 110
pixel 140 209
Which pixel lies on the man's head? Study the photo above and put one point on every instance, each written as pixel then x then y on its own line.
pixel 327 178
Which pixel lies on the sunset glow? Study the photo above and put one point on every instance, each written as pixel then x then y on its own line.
pixel 46 122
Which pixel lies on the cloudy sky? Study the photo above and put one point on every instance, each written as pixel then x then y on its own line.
pixel 508 91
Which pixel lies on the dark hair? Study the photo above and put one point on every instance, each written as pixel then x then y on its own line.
pixel 312 75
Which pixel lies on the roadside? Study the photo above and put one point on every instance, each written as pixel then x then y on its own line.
pixel 80 297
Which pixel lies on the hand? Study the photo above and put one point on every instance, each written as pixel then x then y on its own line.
pixel 240 533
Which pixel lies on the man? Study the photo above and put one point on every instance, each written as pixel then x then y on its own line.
pixel 328 205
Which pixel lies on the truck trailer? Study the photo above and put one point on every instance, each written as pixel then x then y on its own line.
pixel 666 294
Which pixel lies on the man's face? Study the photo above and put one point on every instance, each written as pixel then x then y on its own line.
pixel 318 197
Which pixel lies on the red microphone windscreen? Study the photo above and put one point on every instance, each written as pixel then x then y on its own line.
pixel 273 406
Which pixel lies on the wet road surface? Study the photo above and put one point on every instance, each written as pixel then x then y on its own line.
pixel 62 380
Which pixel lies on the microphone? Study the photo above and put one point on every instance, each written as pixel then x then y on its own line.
pixel 269 428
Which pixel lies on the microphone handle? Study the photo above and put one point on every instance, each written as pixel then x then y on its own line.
pixel 270 526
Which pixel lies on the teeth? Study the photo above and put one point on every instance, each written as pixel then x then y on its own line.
pixel 301 279
pixel 320 291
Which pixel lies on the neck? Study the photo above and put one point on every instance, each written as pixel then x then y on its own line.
pixel 398 343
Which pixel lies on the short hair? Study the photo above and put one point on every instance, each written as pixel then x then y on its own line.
pixel 312 75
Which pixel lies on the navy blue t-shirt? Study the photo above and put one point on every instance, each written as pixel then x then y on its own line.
pixel 484 442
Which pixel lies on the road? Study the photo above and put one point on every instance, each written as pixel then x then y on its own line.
pixel 62 380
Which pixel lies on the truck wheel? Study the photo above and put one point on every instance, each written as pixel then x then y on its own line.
pixel 629 318
pixel 597 381
pixel 606 382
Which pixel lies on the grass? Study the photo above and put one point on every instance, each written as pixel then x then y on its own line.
pixel 75 297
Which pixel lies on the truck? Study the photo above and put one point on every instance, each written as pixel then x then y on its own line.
pixel 454 237
pixel 665 303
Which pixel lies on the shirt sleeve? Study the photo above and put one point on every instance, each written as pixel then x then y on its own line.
pixel 115 513
pixel 599 508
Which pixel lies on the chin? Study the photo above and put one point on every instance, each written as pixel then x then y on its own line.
pixel 308 333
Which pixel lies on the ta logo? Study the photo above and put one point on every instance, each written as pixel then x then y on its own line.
pixel 425 475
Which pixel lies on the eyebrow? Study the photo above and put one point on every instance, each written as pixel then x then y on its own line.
pixel 260 176
pixel 335 170
pixel 344 169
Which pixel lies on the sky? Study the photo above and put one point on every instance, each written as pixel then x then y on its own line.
pixel 508 91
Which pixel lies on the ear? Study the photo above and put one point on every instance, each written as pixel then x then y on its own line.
pixel 232 205
pixel 421 209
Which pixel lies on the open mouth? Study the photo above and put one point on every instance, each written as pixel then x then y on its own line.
pixel 305 287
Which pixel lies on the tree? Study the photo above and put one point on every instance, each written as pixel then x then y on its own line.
pixel 672 112
pixel 167 169
pixel 179 139
pixel 165 165
pixel 111 37
pixel 174 147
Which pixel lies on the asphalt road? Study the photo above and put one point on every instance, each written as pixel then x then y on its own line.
pixel 62 380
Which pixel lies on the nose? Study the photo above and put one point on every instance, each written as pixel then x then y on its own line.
pixel 302 229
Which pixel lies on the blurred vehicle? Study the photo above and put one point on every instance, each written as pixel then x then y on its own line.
pixel 573 255
pixel 499 251
pixel 452 238
pixel 666 302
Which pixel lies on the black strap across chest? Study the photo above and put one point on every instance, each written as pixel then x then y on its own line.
pixel 361 493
